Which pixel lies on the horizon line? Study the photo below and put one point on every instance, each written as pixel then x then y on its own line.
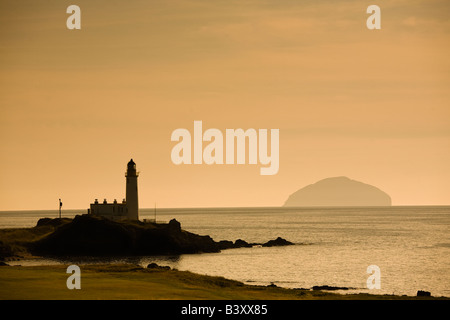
pixel 241 207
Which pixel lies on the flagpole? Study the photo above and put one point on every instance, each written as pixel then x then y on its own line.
pixel 60 205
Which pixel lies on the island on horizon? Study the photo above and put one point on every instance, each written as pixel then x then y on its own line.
pixel 338 192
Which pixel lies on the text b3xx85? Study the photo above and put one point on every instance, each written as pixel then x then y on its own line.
pixel 245 309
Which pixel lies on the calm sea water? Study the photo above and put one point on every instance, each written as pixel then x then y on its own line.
pixel 410 245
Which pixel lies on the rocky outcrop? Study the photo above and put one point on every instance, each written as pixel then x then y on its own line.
pixel 5 250
pixel 338 191
pixel 239 243
pixel 89 235
pixel 158 267
pixel 422 293
pixel 56 222
pixel 329 288
pixel 277 242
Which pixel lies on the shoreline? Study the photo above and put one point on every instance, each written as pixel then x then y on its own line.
pixel 20 240
pixel 129 281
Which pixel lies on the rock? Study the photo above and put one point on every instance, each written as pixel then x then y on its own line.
pixel 239 243
pixel 52 222
pixel 225 244
pixel 421 293
pixel 329 288
pixel 156 266
pixel 174 225
pixel 338 191
pixel 277 242
pixel 5 250
pixel 43 222
pixel 152 266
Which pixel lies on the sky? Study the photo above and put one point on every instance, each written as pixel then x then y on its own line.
pixel 77 105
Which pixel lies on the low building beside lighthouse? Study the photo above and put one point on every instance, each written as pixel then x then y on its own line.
pixel 128 209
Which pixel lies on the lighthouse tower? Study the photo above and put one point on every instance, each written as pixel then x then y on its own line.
pixel 132 191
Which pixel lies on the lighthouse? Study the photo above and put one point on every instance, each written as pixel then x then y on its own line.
pixel 132 191
pixel 129 208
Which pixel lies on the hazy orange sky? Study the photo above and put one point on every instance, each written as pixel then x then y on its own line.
pixel 76 105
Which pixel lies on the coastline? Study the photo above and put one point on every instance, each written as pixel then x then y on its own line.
pixel 19 239
pixel 131 282
pixel 92 236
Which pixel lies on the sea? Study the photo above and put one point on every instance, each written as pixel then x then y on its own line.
pixel 408 246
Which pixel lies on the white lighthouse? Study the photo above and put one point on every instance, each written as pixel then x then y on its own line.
pixel 132 191
pixel 129 208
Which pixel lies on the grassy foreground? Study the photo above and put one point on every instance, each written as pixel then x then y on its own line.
pixel 133 282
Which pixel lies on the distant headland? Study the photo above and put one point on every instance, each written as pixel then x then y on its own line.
pixel 338 191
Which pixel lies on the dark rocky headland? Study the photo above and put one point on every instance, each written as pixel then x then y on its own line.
pixel 88 235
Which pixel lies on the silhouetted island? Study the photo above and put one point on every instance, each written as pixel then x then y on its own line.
pixel 338 191
pixel 88 235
